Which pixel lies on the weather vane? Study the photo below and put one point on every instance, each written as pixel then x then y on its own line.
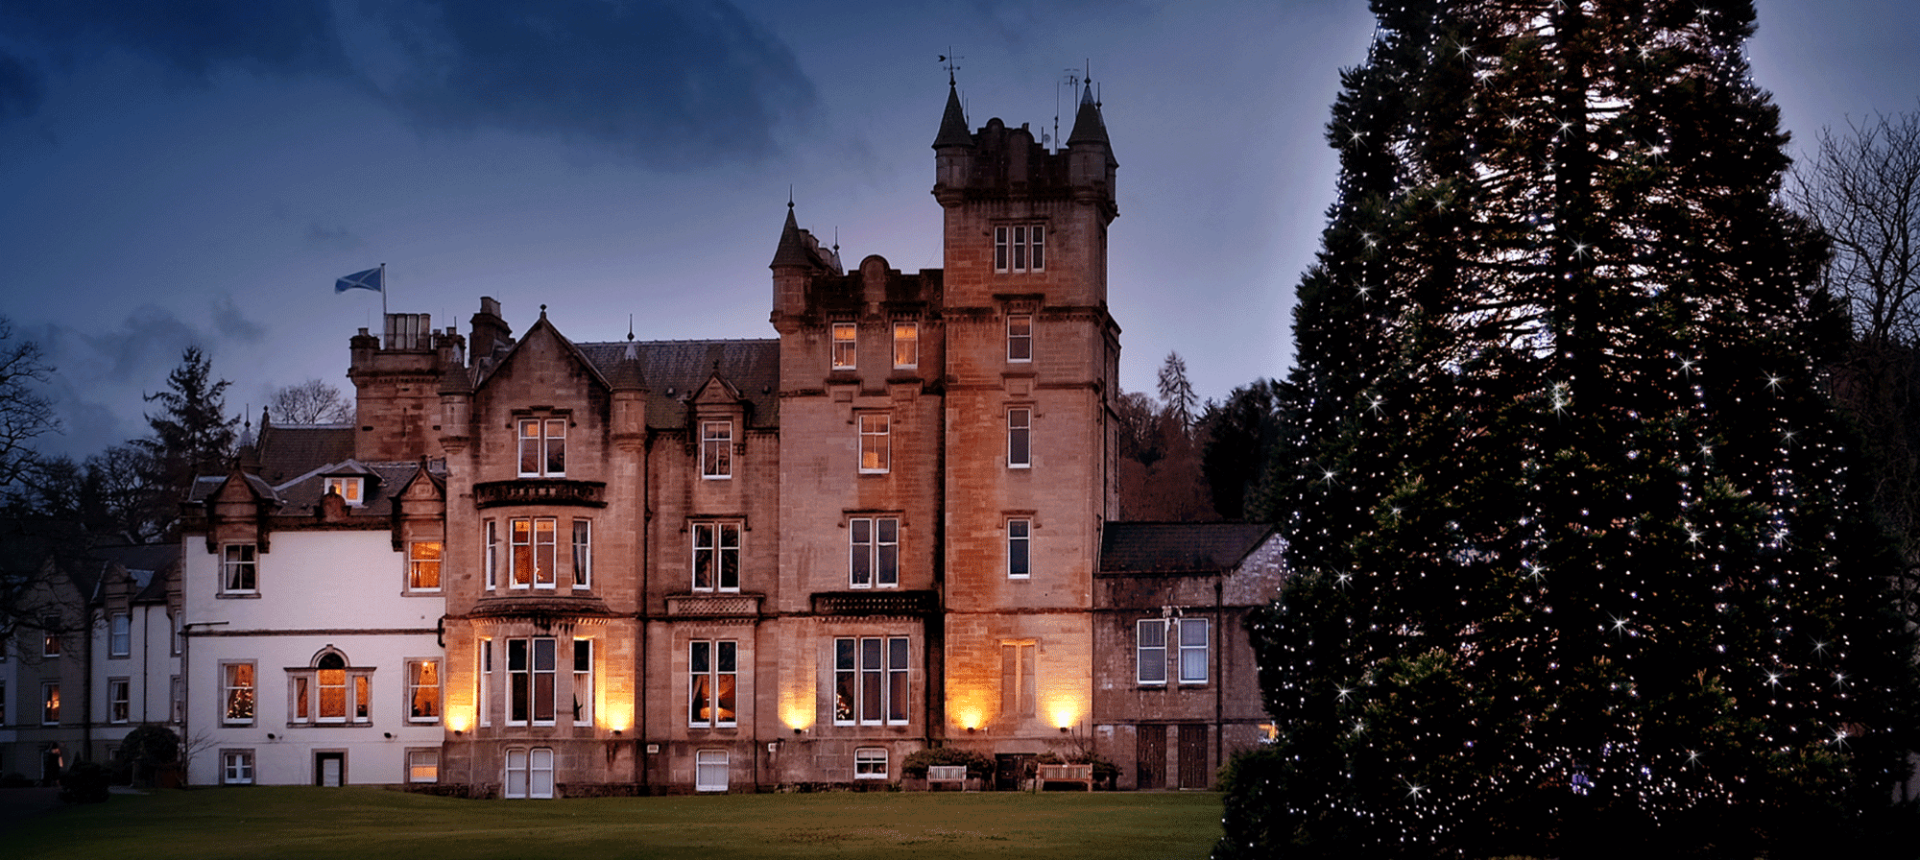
pixel 951 62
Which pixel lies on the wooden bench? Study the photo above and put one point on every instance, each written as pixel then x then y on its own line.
pixel 1080 773
pixel 955 774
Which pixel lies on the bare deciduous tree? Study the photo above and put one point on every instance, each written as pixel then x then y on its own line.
pixel 25 414
pixel 314 401
pixel 1863 189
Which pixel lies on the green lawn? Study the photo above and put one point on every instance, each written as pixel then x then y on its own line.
pixel 368 824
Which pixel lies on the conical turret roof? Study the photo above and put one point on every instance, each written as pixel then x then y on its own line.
pixel 1088 126
pixel 953 124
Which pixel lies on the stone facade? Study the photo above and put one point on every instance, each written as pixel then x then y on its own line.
pixel 727 565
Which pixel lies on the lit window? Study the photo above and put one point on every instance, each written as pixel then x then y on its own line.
pixel 1193 650
pixel 582 553
pixel 716 449
pixel 423 691
pixel 716 556
pixel 1150 650
pixel 50 636
pixel 534 555
pixel 237 693
pixel 49 704
pixel 543 447
pixel 423 565
pixel 1020 338
pixel 119 700
pixel 1019 438
pixel 236 767
pixel 331 691
pixel 710 770
pixel 1020 248
pixel 906 344
pixel 423 765
pixel 239 568
pixel 870 763
pixel 1019 549
pixel 844 347
pixel 874 552
pixel 583 682
pixel 348 489
pixel 712 668
pixel 870 681
pixel 119 635
pixel 876 448
pixel 1019 689
pixel 529 773
pixel 530 681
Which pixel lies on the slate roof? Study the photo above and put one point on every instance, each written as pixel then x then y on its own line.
pixel 675 369
pixel 286 452
pixel 1178 547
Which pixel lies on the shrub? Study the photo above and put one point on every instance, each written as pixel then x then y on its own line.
pixel 917 763
pixel 85 782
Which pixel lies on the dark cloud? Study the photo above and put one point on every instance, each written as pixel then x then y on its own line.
pixel 670 84
pixel 21 89
pixel 233 324
pixel 99 379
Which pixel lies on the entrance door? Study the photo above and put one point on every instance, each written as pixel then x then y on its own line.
pixel 1007 770
pixel 1193 756
pixel 1150 755
pixel 329 769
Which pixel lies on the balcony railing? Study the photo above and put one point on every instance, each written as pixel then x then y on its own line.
pixel 540 491
pixel 898 603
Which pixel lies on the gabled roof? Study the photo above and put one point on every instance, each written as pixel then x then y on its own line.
pixel 1178 547
pixel 566 346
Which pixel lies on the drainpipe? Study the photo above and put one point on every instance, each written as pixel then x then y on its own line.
pixel 1220 685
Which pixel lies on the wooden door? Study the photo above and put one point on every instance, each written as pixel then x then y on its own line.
pixel 1150 754
pixel 1193 756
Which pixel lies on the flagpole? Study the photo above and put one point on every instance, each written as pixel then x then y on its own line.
pixel 383 295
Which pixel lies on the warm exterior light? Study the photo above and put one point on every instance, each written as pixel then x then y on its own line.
pixel 459 720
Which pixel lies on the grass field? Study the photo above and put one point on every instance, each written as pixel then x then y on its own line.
pixel 371 824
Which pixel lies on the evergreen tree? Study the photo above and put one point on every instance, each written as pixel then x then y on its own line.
pixel 1577 567
pixel 192 436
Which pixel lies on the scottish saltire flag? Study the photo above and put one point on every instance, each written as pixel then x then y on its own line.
pixel 371 279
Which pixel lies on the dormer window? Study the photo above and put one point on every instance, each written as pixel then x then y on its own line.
pixel 350 489
pixel 543 447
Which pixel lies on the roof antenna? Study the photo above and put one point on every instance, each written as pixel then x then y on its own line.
pixel 789 195
pixel 1073 89
pixel 629 326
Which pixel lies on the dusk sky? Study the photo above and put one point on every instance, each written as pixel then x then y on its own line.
pixel 200 172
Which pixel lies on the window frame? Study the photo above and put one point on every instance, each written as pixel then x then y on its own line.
pixel 352 490
pixel 1147 655
pixel 876 442
pixel 716 554
pixel 49 703
pixel 1020 343
pixel 237 693
pixel 1020 671
pixel 524 685
pixel 721 684
pixel 582 553
pixel 419 565
pixel 880 557
pixel 532 763
pixel 535 438
pixel 492 560
pixel 50 636
pixel 119 635
pixel 119 700
pixel 1020 427
pixel 232 567
pixel 413 765
pixel 483 659
pixel 716 450
pixel 236 767
pixel 844 346
pixel 1019 548
pixel 906 336
pixel 435 688
pixel 703 762
pixel 536 549
pixel 582 681
pixel 1201 649
pixel 864 759
pixel 1020 248
pixel 875 679
pixel 307 694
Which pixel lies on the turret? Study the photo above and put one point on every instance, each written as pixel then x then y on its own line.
pixel 796 261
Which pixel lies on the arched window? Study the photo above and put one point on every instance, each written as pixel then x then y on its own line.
pixel 330 691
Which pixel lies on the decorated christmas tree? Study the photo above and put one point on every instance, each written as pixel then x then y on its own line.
pixel 1576 560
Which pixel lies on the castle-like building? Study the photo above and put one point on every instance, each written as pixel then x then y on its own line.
pixel 533 567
